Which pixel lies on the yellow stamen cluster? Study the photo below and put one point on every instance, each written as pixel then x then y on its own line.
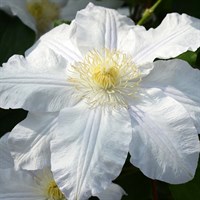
pixel 105 78
pixel 53 192
pixel 44 12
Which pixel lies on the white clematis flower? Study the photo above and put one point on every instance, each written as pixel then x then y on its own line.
pixel 40 14
pixel 36 185
pixel 99 96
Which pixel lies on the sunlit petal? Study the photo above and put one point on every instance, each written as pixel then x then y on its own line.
pixel 29 141
pixel 175 35
pixel 165 143
pixel 107 28
pixel 113 192
pixel 25 85
pixel 89 143
pixel 179 81
pixel 69 11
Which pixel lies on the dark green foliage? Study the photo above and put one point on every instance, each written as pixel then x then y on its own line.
pixel 187 191
pixel 15 37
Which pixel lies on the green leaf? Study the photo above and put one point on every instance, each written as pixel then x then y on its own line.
pixel 60 21
pixel 198 59
pixel 15 37
pixel 187 191
pixel 189 56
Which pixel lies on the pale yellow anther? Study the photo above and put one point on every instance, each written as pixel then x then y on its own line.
pixel 105 77
pixel 53 192
pixel 44 12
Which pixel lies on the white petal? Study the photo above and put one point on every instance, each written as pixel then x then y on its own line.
pixel 33 87
pixel 99 28
pixel 29 141
pixel 165 144
pixel 89 150
pixel 113 192
pixel 18 185
pixel 6 160
pixel 177 79
pixel 69 11
pixel 18 8
pixel 176 34
pixel 60 41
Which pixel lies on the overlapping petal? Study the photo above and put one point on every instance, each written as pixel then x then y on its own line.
pixel 34 88
pixel 89 149
pixel 165 144
pixel 60 41
pixel 41 76
pixel 18 185
pixel 113 192
pixel 29 141
pixel 107 28
pixel 175 35
pixel 6 160
pixel 69 11
pixel 177 79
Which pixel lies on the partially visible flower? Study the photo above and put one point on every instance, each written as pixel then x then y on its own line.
pixel 22 184
pixel 40 14
pixel 98 96
pixel 38 184
pixel 36 14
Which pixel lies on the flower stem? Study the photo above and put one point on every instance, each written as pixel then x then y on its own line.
pixel 154 190
pixel 148 12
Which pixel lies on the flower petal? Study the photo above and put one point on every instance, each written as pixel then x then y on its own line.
pixel 107 28
pixel 165 144
pixel 177 79
pixel 113 192
pixel 17 185
pixel 89 143
pixel 29 141
pixel 6 160
pixel 69 11
pixel 33 87
pixel 18 8
pixel 175 35
pixel 58 40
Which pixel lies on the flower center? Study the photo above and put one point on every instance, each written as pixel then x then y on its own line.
pixel 44 12
pixel 54 192
pixel 105 78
